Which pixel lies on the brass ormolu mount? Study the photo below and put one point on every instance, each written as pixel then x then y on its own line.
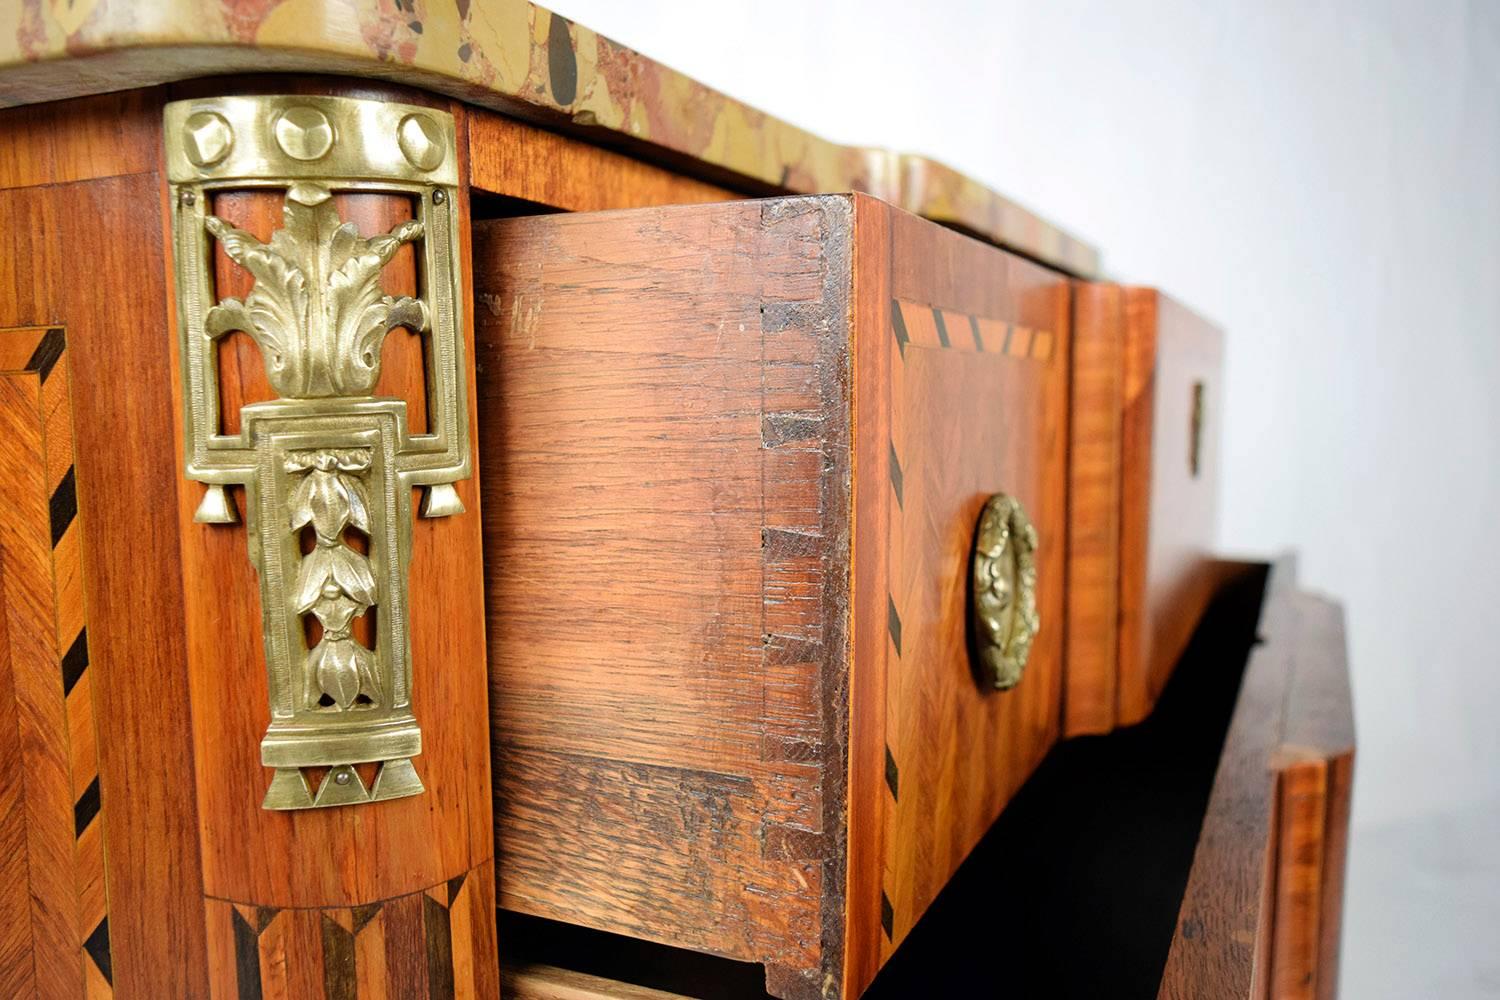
pixel 328 468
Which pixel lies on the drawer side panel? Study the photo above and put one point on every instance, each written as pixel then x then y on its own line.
pixel 664 431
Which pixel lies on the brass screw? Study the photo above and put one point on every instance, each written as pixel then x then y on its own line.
pixel 206 138
pixel 421 141
pixel 342 778
pixel 438 197
pixel 303 133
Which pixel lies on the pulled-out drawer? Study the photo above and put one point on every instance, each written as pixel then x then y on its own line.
pixel 1147 399
pixel 743 649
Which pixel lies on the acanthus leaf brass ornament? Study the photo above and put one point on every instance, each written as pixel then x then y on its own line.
pixel 1003 619
pixel 328 468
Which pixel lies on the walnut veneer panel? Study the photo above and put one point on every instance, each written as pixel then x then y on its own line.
pixel 1147 398
pixel 716 437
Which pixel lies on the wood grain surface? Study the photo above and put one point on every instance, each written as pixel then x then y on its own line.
pixel 83 139
pixel 1168 498
pixel 548 982
pixel 518 160
pixel 50 828
pixel 664 412
pixel 1094 514
pixel 668 438
pixel 1143 481
pixel 81 248
pixel 1260 917
pixel 962 374
pixel 1315 767
pixel 437 942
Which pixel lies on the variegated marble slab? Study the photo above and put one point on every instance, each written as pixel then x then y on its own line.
pixel 508 55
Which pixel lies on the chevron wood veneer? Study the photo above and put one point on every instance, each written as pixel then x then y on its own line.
pixel 53 897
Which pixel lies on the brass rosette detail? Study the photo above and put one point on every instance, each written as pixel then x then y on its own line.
pixel 1003 619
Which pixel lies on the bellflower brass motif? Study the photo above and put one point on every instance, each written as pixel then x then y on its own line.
pixel 1003 619
pixel 328 468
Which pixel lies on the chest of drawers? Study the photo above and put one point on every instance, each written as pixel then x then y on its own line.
pixel 512 479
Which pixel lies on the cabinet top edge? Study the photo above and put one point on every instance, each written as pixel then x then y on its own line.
pixel 508 56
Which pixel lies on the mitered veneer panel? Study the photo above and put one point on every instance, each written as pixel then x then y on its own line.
pixel 961 392
pixel 87 256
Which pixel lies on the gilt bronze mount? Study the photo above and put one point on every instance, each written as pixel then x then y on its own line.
pixel 328 468
pixel 1003 619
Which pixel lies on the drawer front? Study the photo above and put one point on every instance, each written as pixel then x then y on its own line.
pixel 1173 400
pixel 1147 400
pixel 961 393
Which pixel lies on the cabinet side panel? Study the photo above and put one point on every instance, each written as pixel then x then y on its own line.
pixel 1173 399
pixel 663 421
pixel 88 256
pixel 975 393
pixel 1092 666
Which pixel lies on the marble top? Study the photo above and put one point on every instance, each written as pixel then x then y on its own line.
pixel 508 55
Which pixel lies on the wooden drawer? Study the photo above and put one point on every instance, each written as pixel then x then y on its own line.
pixel 1199 854
pixel 733 459
pixel 1147 399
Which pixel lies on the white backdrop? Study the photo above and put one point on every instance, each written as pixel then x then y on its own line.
pixel 1322 178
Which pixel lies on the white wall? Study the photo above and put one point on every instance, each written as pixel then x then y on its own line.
pixel 1323 178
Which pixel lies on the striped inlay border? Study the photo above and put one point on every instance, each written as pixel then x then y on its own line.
pixel 41 353
pixel 916 325
pixel 425 945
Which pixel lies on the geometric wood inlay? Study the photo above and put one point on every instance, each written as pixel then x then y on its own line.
pixel 53 768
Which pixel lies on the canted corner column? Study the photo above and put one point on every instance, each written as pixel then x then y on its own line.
pixel 331 546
